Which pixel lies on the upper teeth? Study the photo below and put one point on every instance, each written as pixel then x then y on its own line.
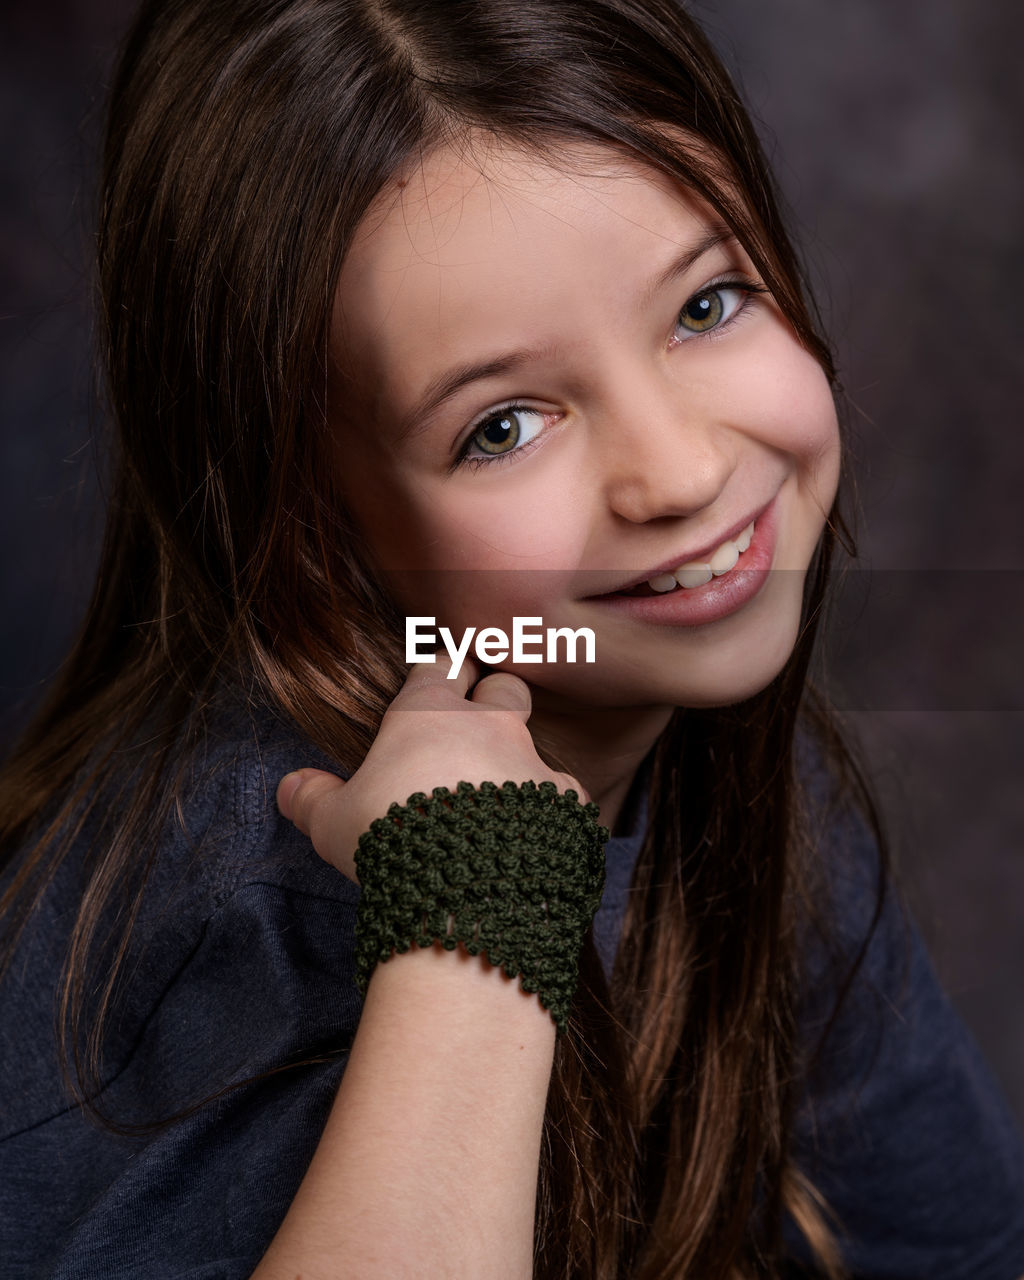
pixel 696 572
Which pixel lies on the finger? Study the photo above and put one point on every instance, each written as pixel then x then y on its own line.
pixel 301 793
pixel 427 684
pixel 504 690
pixel 566 782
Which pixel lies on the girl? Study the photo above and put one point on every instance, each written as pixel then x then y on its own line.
pixel 472 312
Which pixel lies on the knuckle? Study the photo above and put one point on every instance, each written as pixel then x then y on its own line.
pixel 566 782
pixel 505 722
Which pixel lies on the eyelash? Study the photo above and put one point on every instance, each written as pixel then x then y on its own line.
pixel 747 287
pixel 476 460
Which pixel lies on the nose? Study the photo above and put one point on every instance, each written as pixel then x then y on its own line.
pixel 663 450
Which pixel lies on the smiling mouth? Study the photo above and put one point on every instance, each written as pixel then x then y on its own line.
pixel 696 573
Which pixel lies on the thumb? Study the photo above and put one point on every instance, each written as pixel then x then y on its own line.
pixel 504 690
pixel 298 792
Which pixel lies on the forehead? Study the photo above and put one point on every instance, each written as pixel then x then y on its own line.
pixel 426 203
pixel 486 245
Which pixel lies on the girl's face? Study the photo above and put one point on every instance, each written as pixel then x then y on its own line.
pixel 550 384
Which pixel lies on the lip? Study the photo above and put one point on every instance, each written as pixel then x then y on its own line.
pixel 700 553
pixel 690 607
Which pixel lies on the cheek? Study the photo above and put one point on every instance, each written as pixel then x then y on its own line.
pixel 520 520
pixel 512 516
pixel 786 394
pixel 804 409
pixel 817 442
pixel 467 550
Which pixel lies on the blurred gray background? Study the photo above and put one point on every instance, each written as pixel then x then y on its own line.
pixel 896 130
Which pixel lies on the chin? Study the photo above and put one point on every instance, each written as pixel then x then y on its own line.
pixel 729 683
pixel 718 675
pixel 612 689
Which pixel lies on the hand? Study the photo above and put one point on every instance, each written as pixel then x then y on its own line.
pixel 431 736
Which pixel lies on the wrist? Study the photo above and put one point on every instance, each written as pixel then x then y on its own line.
pixel 514 873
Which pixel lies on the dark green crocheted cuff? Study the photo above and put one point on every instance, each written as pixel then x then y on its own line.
pixel 519 869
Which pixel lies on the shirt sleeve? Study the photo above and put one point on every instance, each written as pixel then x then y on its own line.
pixel 902 1127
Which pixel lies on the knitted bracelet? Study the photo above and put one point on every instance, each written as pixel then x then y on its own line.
pixel 520 869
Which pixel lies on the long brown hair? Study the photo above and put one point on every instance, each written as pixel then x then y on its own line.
pixel 246 140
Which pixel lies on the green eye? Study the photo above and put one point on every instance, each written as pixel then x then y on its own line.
pixel 703 311
pixel 505 431
pixel 500 434
pixel 715 307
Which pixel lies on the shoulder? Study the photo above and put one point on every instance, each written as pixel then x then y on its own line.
pixel 228 817
pixel 238 929
pixel 900 1125
pixel 257 929
pixel 851 910
pixel 234 1010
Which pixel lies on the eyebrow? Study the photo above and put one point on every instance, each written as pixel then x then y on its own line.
pixel 453 380
pixel 681 264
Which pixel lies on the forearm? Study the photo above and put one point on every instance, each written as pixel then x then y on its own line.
pixel 428 1162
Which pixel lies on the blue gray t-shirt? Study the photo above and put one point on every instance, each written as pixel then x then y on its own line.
pixel 245 965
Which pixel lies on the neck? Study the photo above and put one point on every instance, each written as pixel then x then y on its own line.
pixel 602 747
